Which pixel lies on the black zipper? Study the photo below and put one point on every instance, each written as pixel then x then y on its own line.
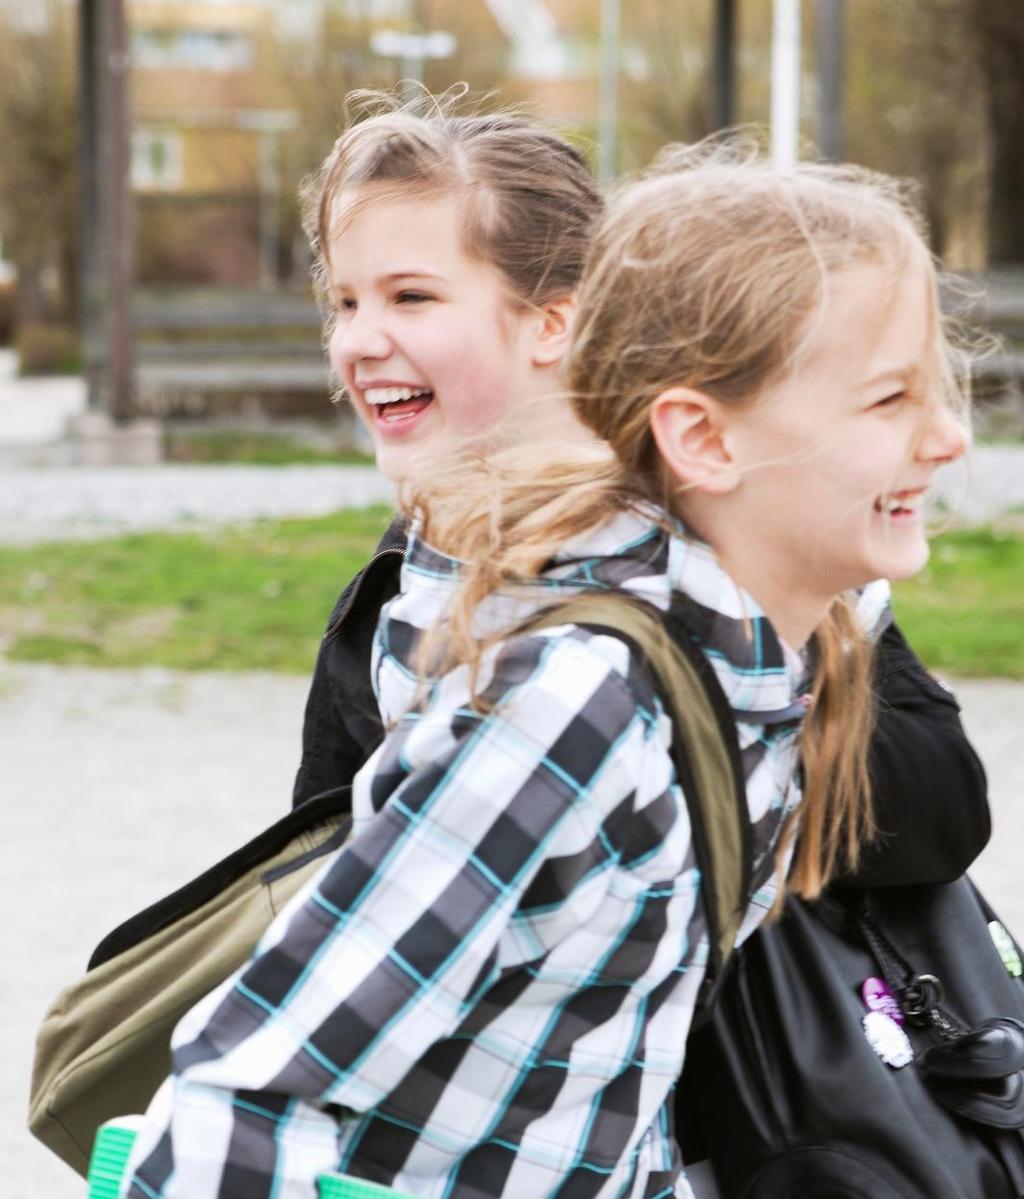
pixel 357 584
pixel 920 996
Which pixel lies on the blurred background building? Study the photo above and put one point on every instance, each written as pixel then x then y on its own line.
pixel 232 103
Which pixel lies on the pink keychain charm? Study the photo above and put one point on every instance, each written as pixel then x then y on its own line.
pixel 878 997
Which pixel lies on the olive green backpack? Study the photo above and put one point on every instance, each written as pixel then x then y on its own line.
pixel 104 1046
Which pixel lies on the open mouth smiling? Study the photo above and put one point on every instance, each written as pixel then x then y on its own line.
pixel 901 503
pixel 396 405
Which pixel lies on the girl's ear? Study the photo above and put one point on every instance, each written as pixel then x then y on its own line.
pixel 554 331
pixel 689 429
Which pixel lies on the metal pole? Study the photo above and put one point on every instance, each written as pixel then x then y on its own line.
pixel 90 296
pixel 120 227
pixel 106 209
pixel 270 208
pixel 608 96
pixel 412 79
pixel 723 84
pixel 785 115
pixel 830 78
pixel 413 59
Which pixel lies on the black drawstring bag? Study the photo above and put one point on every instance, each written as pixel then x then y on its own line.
pixel 975 1072
pixel 802 1085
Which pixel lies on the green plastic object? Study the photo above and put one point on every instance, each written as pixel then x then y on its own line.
pixel 342 1186
pixel 110 1153
pixel 113 1147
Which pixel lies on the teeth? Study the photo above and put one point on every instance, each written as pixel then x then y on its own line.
pixel 907 504
pixel 392 395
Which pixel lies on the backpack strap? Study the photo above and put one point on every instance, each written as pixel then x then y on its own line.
pixel 705 753
pixel 328 806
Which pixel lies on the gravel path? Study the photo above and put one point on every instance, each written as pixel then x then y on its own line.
pixel 126 783
pixel 58 503
pixel 120 786
pixel 61 505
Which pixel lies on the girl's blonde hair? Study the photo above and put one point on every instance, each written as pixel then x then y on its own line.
pixel 707 272
pixel 529 200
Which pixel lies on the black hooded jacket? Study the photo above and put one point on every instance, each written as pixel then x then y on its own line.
pixel 342 725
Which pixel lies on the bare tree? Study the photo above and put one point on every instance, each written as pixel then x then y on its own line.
pixel 315 81
pixel 937 92
pixel 38 182
pixel 666 95
pixel 914 109
pixel 998 27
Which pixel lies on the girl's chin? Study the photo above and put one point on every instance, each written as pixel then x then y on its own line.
pixel 403 462
pixel 911 561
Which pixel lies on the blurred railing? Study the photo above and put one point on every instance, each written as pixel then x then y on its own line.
pixel 225 353
pixel 230 353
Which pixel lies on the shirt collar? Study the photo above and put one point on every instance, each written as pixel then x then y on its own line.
pixel 656 559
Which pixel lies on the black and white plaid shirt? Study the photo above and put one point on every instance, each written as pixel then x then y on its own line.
pixel 487 991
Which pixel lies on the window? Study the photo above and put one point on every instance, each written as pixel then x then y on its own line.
pixel 196 49
pixel 156 160
pixel 377 9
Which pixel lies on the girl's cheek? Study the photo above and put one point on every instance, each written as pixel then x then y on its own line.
pixel 334 350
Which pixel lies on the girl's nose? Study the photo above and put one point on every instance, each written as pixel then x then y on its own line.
pixel 356 338
pixel 945 437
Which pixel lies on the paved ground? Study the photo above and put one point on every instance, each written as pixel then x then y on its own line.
pixel 58 505
pixel 33 411
pixel 119 786
pixel 126 783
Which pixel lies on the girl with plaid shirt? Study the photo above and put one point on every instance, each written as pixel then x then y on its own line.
pixel 486 992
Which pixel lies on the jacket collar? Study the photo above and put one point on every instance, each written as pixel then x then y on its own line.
pixel 764 680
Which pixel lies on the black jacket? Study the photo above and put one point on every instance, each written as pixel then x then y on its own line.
pixel 929 786
pixel 342 726
pixel 930 790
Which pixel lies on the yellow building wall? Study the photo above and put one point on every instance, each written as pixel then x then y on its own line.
pixel 219 160
pixel 236 17
pixel 207 108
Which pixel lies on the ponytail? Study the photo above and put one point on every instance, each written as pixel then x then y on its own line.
pixel 836 816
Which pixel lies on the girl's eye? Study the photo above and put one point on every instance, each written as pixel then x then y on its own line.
pixel 890 400
pixel 412 297
pixel 346 304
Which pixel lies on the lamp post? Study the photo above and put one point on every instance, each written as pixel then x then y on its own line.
pixel 785 111
pixel 830 78
pixel 723 89
pixel 105 160
pixel 608 97
pixel 269 126
pixel 412 50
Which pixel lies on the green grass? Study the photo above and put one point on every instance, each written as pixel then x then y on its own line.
pixel 252 598
pixel 257 597
pixel 964 614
